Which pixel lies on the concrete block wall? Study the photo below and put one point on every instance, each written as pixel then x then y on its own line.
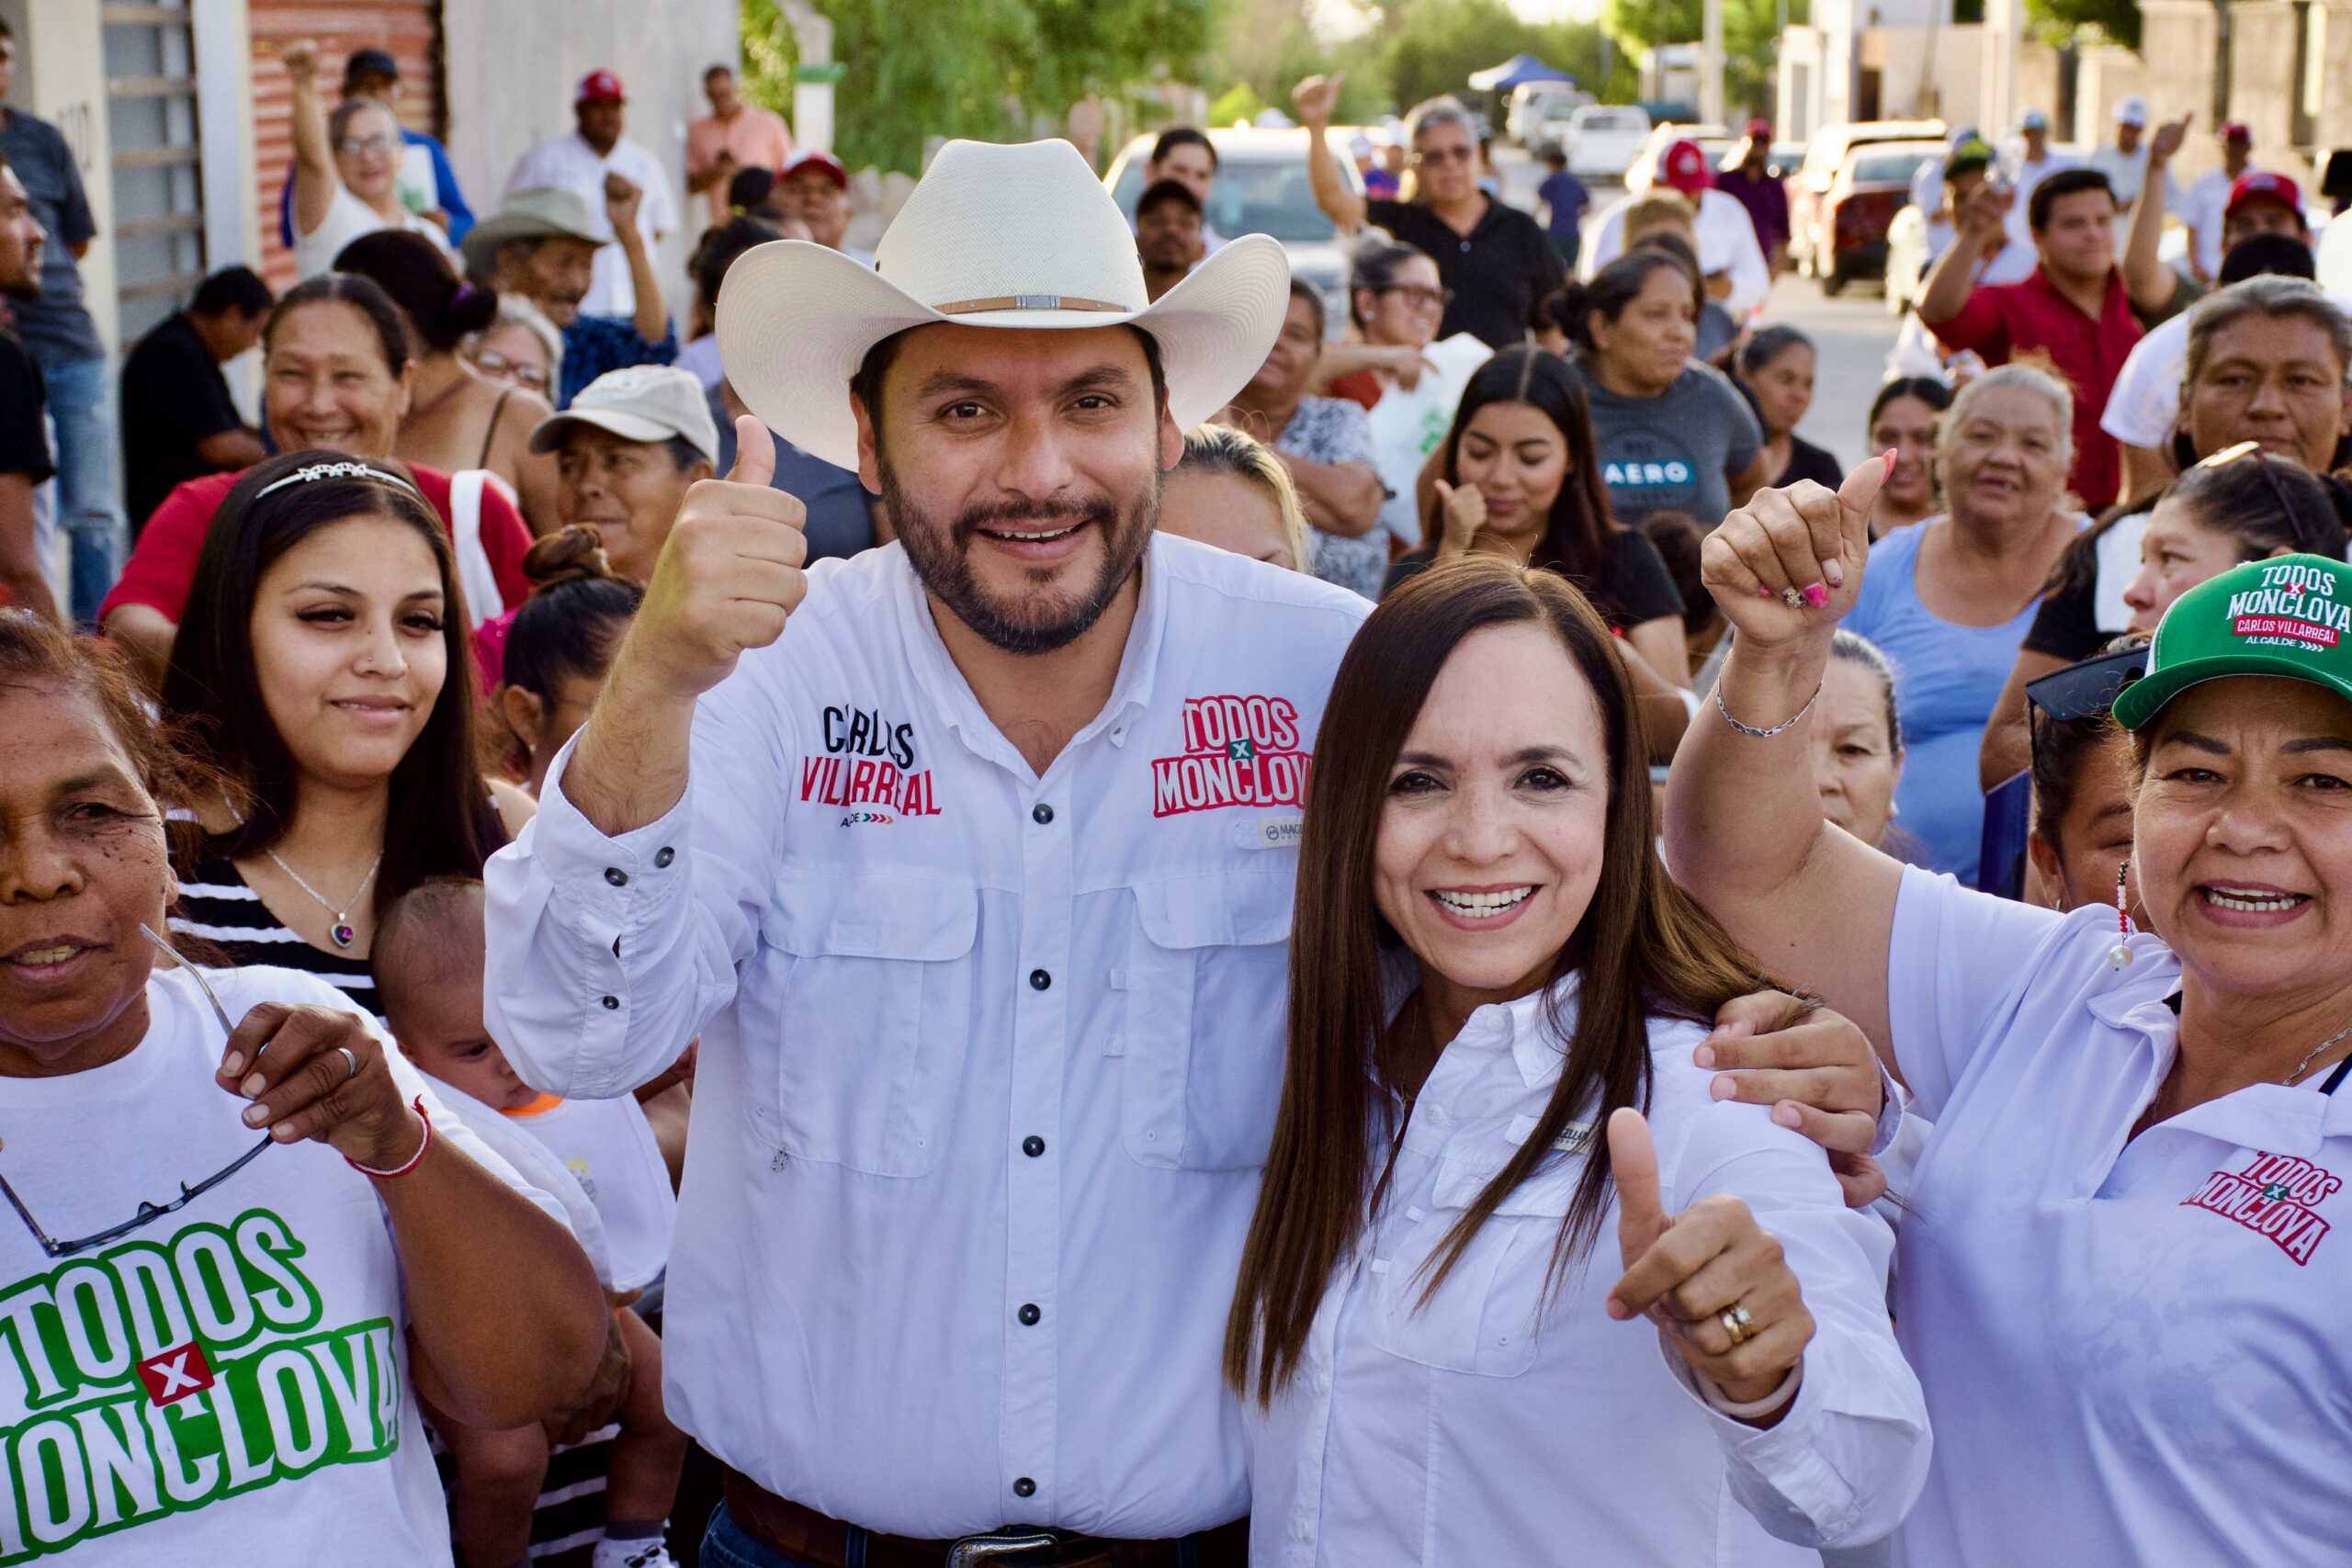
pixel 510 69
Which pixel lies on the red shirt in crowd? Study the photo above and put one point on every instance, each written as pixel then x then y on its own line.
pixel 162 564
pixel 2003 320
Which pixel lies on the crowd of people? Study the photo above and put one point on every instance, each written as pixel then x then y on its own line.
pixel 1040 896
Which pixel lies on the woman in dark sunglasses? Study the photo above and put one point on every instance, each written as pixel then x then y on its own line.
pixel 238 1238
pixel 2239 505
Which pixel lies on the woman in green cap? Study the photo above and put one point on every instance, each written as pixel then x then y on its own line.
pixel 2118 1281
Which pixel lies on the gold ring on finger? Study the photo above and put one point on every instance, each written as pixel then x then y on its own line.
pixel 1795 600
pixel 1738 1324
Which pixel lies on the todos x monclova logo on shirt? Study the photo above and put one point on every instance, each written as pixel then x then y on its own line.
pixel 1237 752
pixel 160 1376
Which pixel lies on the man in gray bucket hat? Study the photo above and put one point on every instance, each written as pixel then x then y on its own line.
pixel 541 245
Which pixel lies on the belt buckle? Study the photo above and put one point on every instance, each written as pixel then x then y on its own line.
pixel 990 1546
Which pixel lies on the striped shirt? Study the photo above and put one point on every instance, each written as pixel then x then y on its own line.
pixel 216 905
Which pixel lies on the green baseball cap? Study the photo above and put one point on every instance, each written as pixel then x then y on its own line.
pixel 2288 616
pixel 1966 156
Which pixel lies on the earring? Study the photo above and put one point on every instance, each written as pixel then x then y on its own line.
pixel 2120 954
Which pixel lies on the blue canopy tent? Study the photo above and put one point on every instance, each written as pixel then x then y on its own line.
pixel 1518 71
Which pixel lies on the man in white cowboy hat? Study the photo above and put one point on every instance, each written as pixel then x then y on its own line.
pixel 541 245
pixel 975 889
pixel 972 871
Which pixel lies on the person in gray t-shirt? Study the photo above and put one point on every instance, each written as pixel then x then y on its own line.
pixel 1670 433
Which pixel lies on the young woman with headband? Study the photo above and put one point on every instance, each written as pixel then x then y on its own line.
pixel 323 670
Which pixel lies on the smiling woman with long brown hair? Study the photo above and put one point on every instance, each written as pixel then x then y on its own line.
pixel 1487 963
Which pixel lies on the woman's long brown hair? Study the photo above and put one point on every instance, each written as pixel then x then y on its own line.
pixel 1643 949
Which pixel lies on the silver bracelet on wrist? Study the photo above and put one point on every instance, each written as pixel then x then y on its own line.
pixel 1786 724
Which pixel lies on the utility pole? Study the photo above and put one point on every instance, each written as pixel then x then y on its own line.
pixel 813 78
pixel 1711 64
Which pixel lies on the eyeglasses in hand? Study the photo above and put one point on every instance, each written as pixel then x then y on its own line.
pixel 189 1192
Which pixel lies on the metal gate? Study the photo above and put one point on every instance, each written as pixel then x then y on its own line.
pixel 155 168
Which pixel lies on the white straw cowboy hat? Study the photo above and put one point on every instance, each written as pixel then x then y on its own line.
pixel 994 236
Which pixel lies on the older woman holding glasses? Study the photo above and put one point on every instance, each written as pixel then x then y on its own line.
pixel 242 1240
pixel 2118 1282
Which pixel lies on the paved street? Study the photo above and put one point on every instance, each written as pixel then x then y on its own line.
pixel 1853 331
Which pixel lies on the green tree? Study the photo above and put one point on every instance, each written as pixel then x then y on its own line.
pixel 2057 21
pixel 1436 45
pixel 1751 37
pixel 1239 102
pixel 1268 47
pixel 912 68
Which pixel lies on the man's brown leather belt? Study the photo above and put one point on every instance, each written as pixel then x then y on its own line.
pixel 781 1525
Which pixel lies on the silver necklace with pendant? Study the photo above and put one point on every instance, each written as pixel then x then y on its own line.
pixel 342 929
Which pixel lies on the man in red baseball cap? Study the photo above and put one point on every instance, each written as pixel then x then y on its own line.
pixel 1731 252
pixel 2263 203
pixel 814 187
pixel 1752 184
pixel 2209 198
pixel 583 162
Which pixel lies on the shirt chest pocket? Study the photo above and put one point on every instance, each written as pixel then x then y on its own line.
pixel 1487 1319
pixel 868 1012
pixel 1203 994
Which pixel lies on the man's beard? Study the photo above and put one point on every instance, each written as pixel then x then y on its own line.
pixel 939 553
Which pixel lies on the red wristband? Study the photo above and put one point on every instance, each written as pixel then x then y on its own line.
pixel 413 1159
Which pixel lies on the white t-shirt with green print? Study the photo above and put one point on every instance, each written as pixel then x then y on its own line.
pixel 229 1381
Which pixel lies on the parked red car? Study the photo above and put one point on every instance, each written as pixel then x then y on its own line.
pixel 1843 235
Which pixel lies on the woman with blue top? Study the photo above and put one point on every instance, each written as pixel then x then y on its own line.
pixel 2118 1278
pixel 1947 601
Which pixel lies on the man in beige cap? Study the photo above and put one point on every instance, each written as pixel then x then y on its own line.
pixel 630 447
pixel 541 245
pixel 969 860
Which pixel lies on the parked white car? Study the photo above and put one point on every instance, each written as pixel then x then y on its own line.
pixel 1603 140
pixel 1261 188
pixel 1536 107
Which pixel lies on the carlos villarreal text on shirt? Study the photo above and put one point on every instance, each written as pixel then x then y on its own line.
pixel 868 769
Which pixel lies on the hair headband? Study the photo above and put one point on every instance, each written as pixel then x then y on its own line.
pixel 338 471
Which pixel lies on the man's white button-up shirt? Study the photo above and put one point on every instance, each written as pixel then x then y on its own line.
pixel 989 1061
